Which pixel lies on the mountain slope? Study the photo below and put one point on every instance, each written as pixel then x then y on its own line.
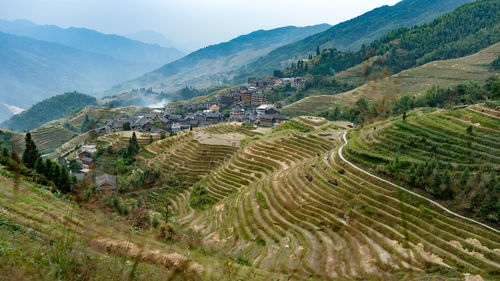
pixel 475 67
pixel 285 202
pixel 32 70
pixel 436 153
pixel 92 41
pixel 50 109
pixel 352 34
pixel 152 37
pixel 207 66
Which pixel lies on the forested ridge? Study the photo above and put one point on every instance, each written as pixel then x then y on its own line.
pixel 352 34
pixel 464 31
pixel 50 109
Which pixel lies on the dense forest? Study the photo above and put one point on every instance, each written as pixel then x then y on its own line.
pixel 464 31
pixel 50 109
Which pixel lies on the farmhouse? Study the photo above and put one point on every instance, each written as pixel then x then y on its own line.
pixel 106 182
pixel 236 112
pixel 266 109
pixel 271 120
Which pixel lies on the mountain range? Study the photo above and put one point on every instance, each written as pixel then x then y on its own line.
pixel 88 40
pixel 40 61
pixel 352 34
pixel 233 63
pixel 208 66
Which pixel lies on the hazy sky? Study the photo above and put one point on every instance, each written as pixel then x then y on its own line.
pixel 190 22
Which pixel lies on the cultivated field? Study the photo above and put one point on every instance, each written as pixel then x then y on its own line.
pixel 475 67
pixel 49 138
pixel 286 203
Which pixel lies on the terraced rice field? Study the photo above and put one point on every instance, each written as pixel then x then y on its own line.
pixel 190 156
pixel 288 204
pixel 440 135
pixel 48 139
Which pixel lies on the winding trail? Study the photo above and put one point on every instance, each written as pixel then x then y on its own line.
pixel 402 188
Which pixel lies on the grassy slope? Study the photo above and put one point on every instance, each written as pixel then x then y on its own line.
pixel 444 73
pixel 45 237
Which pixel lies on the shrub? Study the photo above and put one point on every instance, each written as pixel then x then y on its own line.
pixel 241 260
pixel 200 198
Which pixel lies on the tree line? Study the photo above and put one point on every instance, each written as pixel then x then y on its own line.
pixel 31 164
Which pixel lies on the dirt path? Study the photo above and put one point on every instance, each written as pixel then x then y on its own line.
pixel 404 189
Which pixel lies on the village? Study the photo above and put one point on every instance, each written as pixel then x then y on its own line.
pixel 245 104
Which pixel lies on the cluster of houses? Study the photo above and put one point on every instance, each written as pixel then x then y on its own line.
pixel 159 121
pixel 252 93
pixel 264 115
pixel 85 157
pixel 247 104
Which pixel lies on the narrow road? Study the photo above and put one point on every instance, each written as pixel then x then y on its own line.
pixel 404 189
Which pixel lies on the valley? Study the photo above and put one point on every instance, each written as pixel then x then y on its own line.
pixel 366 150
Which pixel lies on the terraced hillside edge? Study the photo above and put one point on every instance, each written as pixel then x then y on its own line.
pixel 449 155
pixel 39 227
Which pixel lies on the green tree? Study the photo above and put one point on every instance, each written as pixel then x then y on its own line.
pixel 5 157
pixel 64 181
pixel 469 130
pixel 40 166
pixel 151 139
pixel 126 126
pixel 30 154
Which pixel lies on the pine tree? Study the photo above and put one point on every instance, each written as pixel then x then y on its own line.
pixel 64 181
pixel 40 166
pixel 55 174
pixel 49 169
pixel 317 51
pixel 31 154
pixel 5 157
pixel 151 139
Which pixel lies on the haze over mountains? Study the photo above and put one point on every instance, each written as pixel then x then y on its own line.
pixel 92 62
pixel 40 61
pixel 153 37
pixel 208 67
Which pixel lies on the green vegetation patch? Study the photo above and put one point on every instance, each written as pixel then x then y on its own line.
pixel 50 109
